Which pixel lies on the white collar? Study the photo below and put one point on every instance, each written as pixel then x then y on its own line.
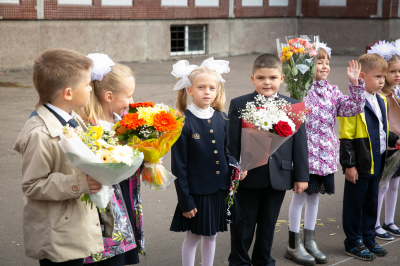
pixel 109 126
pixel 201 113
pixel 272 96
pixel 61 112
pixel 370 97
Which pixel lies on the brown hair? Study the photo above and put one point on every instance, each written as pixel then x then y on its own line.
pixel 54 70
pixel 386 88
pixel 322 54
pixel 267 61
pixel 93 111
pixel 219 101
pixel 370 62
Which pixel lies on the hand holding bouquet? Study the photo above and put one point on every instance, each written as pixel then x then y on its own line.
pixel 96 153
pixel 298 61
pixel 152 129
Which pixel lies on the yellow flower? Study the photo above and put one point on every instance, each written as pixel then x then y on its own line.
pixel 104 155
pixel 285 49
pixel 301 50
pixel 96 132
pixel 146 113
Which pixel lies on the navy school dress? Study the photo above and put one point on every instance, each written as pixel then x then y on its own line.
pixel 200 161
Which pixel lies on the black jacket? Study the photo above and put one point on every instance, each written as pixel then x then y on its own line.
pixel 200 158
pixel 287 165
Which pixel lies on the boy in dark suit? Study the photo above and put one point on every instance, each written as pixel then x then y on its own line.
pixel 261 194
pixel 364 139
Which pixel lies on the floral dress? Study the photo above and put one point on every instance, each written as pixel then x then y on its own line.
pixel 325 102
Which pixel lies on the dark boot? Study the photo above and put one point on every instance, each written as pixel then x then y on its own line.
pixel 296 252
pixel 312 248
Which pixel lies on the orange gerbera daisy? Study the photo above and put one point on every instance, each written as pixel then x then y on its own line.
pixel 131 121
pixel 164 121
pixel 141 104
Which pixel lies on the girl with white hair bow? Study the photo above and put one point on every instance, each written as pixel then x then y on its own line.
pixel 200 159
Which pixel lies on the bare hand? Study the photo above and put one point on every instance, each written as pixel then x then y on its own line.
pixel 300 187
pixel 190 214
pixel 160 162
pixel 398 142
pixel 353 72
pixel 94 186
pixel 352 174
pixel 242 175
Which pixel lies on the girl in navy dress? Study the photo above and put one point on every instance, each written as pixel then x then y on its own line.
pixel 201 160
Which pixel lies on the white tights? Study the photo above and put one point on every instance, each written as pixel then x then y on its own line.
pixel 310 214
pixel 207 249
pixel 389 192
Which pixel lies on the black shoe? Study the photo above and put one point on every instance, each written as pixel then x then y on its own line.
pixel 395 232
pixel 378 250
pixel 385 236
pixel 360 251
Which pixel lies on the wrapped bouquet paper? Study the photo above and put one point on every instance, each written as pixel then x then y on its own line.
pixel 266 124
pixel 391 165
pixel 298 60
pixel 96 153
pixel 152 129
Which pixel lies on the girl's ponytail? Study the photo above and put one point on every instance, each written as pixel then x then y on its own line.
pixel 182 100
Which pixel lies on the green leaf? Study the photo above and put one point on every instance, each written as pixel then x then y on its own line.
pixel 295 71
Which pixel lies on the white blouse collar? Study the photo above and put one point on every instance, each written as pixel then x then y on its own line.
pixel 107 125
pixel 201 113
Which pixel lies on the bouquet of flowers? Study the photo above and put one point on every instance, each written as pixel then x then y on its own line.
pixel 266 124
pixel 152 129
pixel 391 165
pixel 297 57
pixel 96 153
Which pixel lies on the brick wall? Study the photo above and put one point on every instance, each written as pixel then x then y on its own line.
pixel 152 9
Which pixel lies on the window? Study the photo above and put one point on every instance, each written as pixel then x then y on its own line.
pixel 207 3
pixel 116 2
pixel 252 2
pixel 278 2
pixel 188 40
pixel 75 2
pixel 9 1
pixel 174 2
pixel 332 2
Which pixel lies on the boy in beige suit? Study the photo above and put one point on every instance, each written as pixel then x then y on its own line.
pixel 58 228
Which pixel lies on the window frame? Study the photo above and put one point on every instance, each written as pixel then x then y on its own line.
pixel 186 41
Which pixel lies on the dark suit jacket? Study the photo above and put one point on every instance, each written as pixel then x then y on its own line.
pixel 200 158
pixel 287 165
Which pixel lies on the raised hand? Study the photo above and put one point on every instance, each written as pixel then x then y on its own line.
pixel 353 72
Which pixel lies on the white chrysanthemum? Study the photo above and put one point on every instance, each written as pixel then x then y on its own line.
pixel 122 154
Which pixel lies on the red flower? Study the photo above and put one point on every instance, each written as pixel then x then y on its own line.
pixel 131 121
pixel 141 104
pixel 283 129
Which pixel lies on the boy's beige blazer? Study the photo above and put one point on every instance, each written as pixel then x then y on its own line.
pixel 56 224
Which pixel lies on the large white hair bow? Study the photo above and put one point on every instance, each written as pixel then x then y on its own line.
pixel 182 70
pixel 101 65
pixel 396 47
pixel 220 66
pixel 384 49
pixel 326 48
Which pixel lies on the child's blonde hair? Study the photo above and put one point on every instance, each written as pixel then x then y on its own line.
pixel 322 54
pixel 57 69
pixel 219 101
pixel 386 88
pixel 110 82
pixel 370 62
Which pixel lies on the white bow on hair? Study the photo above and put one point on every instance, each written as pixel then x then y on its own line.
pixel 182 70
pixel 101 65
pixel 220 66
pixel 326 48
pixel 396 47
pixel 384 49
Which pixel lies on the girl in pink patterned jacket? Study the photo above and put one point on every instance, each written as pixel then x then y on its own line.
pixel 325 102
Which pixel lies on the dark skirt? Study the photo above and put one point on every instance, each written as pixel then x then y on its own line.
pixel 211 216
pixel 132 256
pixel 321 184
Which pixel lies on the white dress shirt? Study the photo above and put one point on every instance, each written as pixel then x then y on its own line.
pixel 61 112
pixel 201 113
pixel 382 134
